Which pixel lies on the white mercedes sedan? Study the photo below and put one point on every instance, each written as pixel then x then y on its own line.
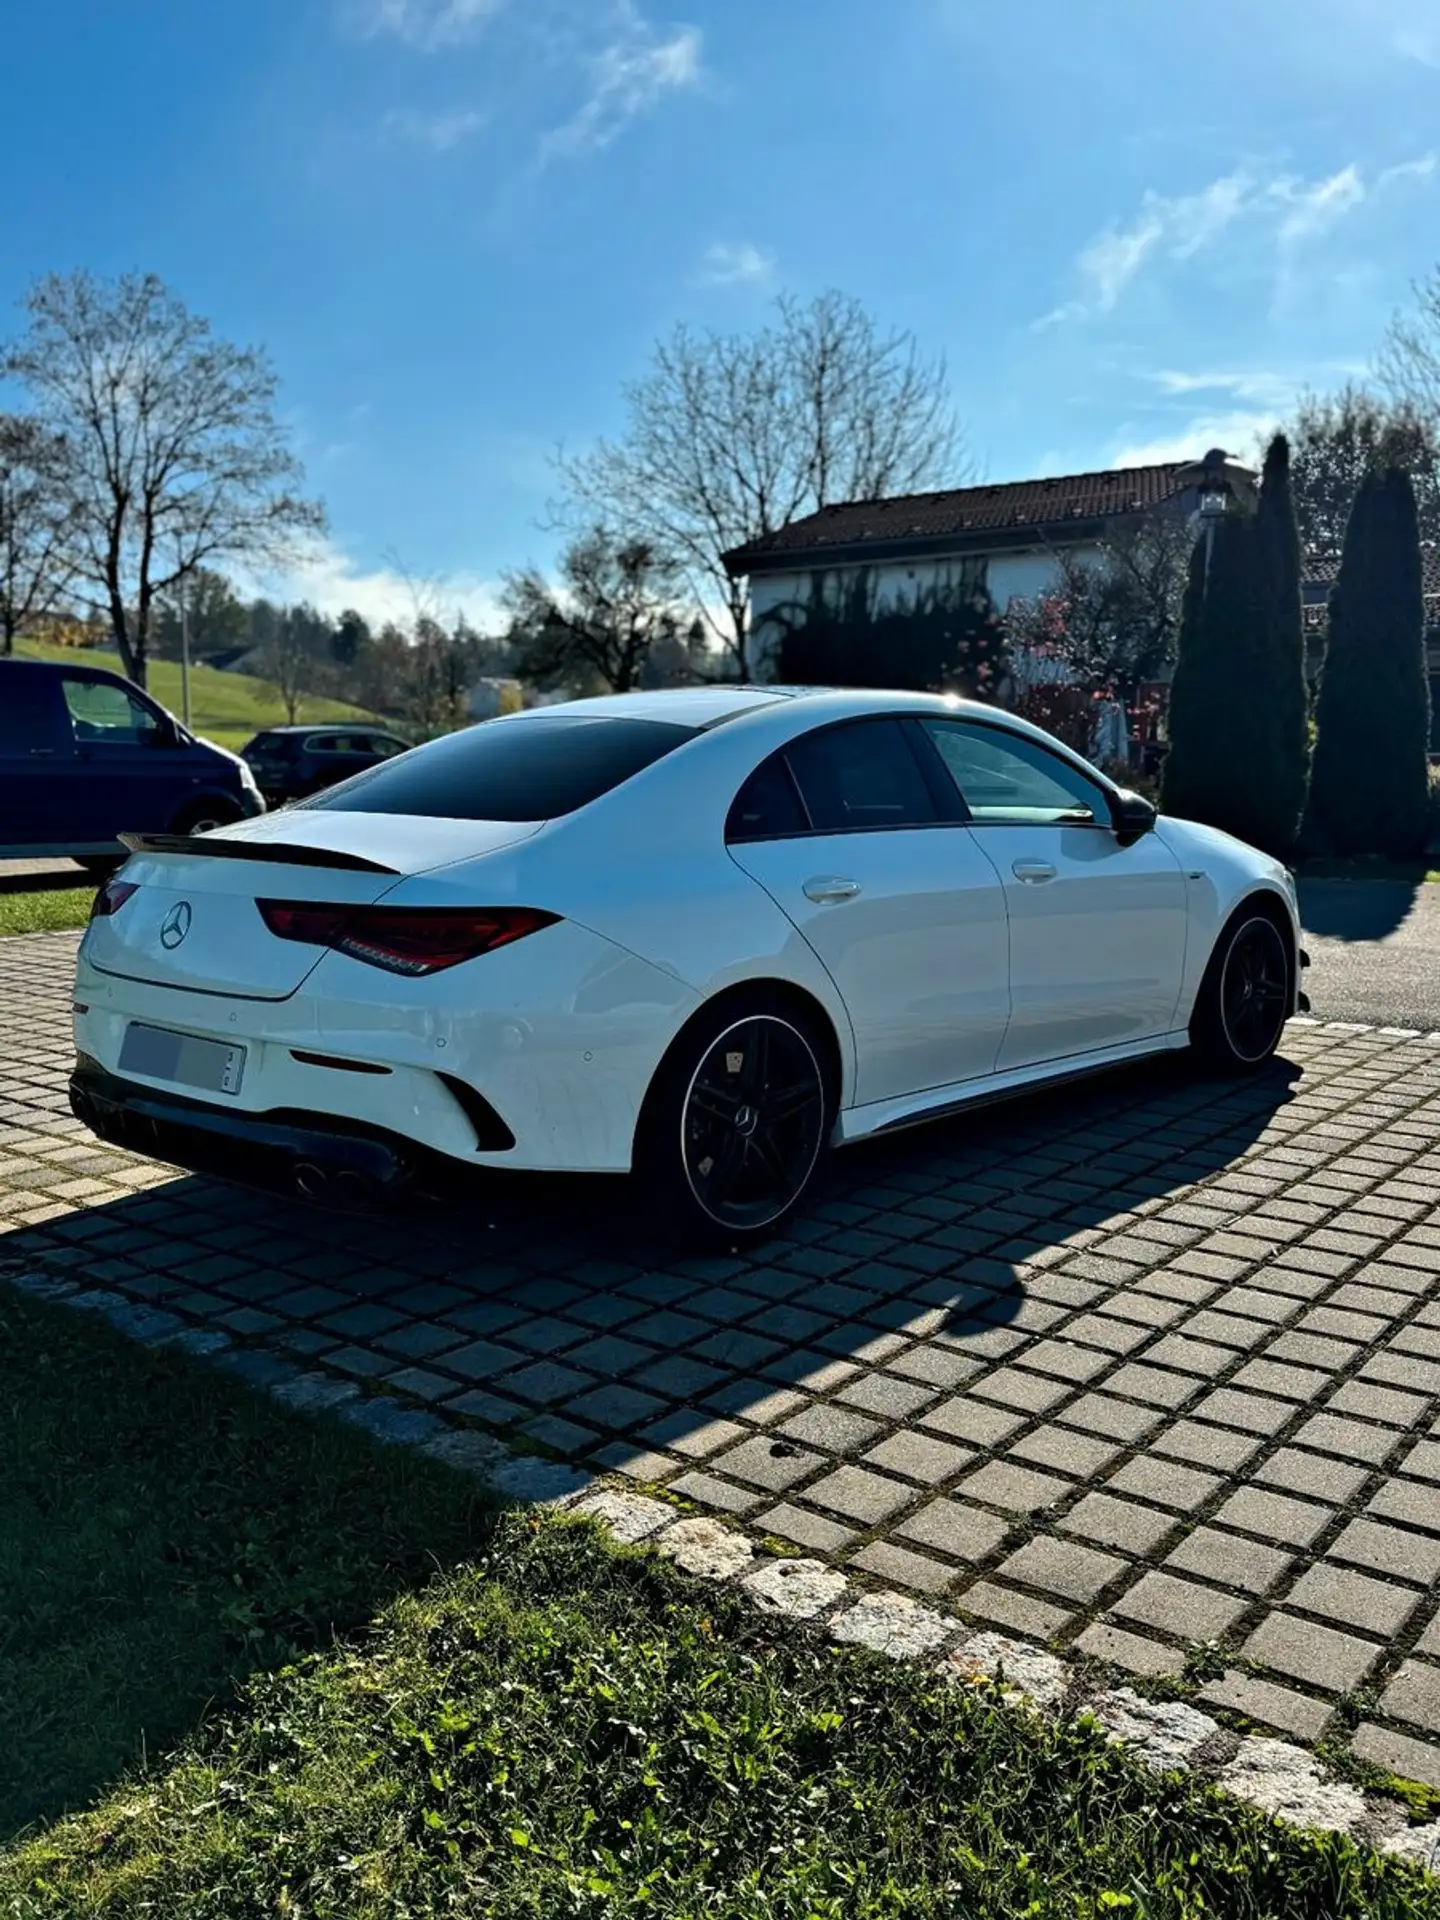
pixel 703 935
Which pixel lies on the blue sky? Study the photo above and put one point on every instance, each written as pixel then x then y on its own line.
pixel 1133 226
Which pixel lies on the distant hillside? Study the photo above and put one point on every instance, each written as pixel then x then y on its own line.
pixel 228 708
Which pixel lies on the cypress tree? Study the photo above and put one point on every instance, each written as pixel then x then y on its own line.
pixel 1277 685
pixel 1369 785
pixel 1216 738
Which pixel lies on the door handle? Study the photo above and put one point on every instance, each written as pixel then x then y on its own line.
pixel 1033 872
pixel 830 887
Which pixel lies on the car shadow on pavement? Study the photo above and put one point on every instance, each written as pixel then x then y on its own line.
pixel 1355 909
pixel 553 1314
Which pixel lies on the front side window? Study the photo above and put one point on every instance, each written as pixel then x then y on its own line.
pixel 1007 780
pixel 861 776
pixel 513 769
pixel 104 715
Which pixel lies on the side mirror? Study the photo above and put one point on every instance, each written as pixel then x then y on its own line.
pixel 1131 815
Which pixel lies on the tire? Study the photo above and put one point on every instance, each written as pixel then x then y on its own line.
pixel 738 1119
pixel 1247 994
pixel 202 816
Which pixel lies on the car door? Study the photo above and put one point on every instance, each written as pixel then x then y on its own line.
pixel 128 771
pixel 1097 926
pixel 843 830
pixel 35 751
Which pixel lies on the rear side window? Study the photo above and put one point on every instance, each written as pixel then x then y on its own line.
pixel 768 806
pixel 521 769
pixel 30 711
pixel 861 776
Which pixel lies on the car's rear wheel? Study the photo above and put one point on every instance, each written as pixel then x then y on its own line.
pixel 738 1119
pixel 1246 996
pixel 205 815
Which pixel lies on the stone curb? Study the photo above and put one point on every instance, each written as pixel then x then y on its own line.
pixel 1170 1736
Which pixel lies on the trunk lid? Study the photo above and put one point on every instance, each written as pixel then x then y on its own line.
pixel 193 923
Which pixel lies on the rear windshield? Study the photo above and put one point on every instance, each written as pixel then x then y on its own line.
pixel 510 769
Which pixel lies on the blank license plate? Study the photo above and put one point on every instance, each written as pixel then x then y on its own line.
pixel 162 1055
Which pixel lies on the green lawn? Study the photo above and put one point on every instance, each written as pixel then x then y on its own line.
pixel 229 708
pixel 540 1726
pixel 45 911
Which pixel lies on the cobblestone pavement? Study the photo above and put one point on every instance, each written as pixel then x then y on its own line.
pixel 1129 1370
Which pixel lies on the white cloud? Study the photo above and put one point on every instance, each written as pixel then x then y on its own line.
pixel 734 263
pixel 1265 389
pixel 1290 211
pixel 439 131
pixel 627 78
pixel 1311 208
pixel 424 24
pixel 331 580
pixel 1239 432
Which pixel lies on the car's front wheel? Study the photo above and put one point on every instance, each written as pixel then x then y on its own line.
pixel 738 1119
pixel 1246 996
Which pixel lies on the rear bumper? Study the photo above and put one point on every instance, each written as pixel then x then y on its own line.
pixel 314 1155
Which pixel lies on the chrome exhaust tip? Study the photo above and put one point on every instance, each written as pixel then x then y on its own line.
pixel 310 1182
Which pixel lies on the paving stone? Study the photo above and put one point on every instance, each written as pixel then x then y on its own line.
pixel 920 1457
pixel 973 1421
pixel 1407 1759
pixel 893 1624
pixel 1353 1599
pixel 890 1561
pixel 1118 1420
pixel 707 1547
pixel 689 1432
pixel 1406 1500
pixel 1020 1671
pixel 1179 1607
pixel 1167 1483
pixel 1021 1612
pixel 1207 1447
pixel 709 1491
pixel 1349 1439
pixel 1227 1407
pixel 769 1463
pixel 860 1495
pixel 1118 1523
pixel 1132 1651
pixel 1329 1480
pixel 1274 1516
pixel 1079 1454
pixel 805 1529
pixel 835 1428
pixel 1062 1567
pixel 1390 1550
pixel 882 1393
pixel 1019 1489
pixel 936 1366
pixel 1384 1404
pixel 1269 1705
pixel 1230 1560
pixel 798 1589
pixel 611 1407
pixel 1414 1696
pixel 961 1532
pixel 1321 1657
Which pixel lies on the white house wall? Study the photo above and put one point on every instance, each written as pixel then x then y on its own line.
pixel 1006 576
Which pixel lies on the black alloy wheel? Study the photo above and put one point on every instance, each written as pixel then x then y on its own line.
pixel 1255 990
pixel 753 1122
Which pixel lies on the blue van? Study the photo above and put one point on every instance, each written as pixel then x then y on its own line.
pixel 85 755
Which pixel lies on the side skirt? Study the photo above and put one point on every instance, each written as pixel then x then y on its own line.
pixel 889 1116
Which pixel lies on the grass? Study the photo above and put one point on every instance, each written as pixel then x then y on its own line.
pixel 46 911
pixel 228 708
pixel 164 1532
pixel 547 1727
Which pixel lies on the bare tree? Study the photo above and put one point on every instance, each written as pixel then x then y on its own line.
pixel 1112 617
pixel 729 436
pixel 1409 360
pixel 1336 441
pixel 289 654
pixel 618 602
pixel 34 525
pixel 174 456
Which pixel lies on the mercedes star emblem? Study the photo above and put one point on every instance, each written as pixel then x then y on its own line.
pixel 175 925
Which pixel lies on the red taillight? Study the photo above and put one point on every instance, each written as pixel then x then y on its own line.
pixel 413 940
pixel 111 897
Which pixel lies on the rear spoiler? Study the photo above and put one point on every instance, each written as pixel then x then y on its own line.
pixel 213 846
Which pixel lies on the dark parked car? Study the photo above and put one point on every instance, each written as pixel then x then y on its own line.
pixel 291 762
pixel 85 755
